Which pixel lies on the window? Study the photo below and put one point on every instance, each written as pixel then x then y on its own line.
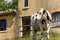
pixel 56 17
pixel 2 24
pixel 26 25
pixel 26 3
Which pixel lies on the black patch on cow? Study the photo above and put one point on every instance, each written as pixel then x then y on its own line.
pixel 44 11
pixel 48 17
pixel 43 21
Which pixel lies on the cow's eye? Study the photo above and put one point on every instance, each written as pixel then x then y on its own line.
pixel 39 13
pixel 36 15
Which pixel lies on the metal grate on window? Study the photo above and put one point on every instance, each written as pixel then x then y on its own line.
pixel 56 19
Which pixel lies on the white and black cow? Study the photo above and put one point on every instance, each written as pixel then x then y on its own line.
pixel 41 21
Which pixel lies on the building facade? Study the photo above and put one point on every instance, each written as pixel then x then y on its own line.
pixel 17 24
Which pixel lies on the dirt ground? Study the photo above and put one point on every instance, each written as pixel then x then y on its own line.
pixel 55 30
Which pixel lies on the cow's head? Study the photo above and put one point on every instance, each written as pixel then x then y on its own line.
pixel 41 15
pixel 45 14
pixel 37 16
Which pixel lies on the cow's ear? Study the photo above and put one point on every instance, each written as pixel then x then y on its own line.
pixel 37 12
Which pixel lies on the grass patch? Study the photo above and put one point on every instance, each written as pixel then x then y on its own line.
pixel 53 36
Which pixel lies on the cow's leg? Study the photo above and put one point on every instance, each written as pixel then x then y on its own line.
pixel 41 30
pixel 48 29
pixel 34 35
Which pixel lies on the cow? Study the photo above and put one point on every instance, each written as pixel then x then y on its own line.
pixel 41 20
